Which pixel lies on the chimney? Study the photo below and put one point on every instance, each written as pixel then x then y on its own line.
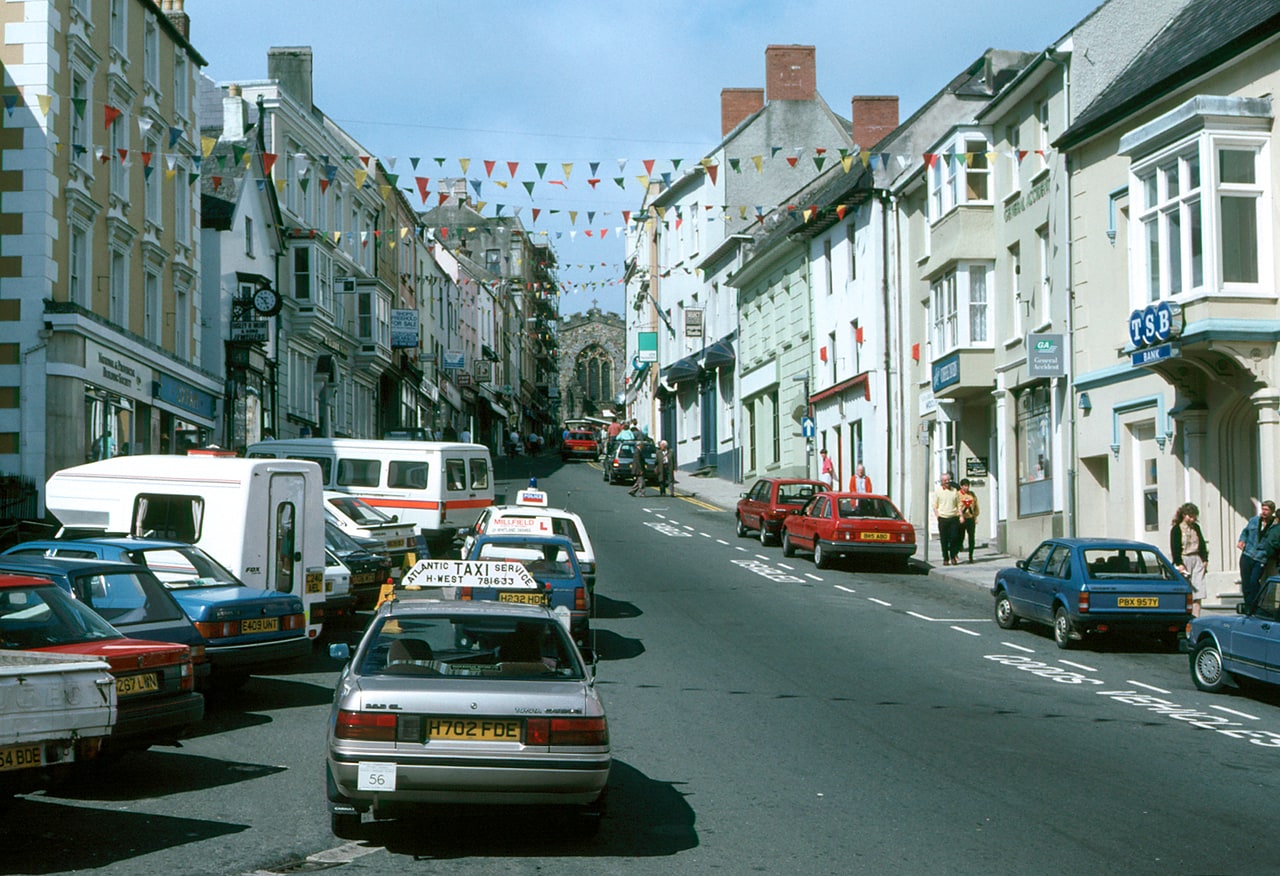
pixel 234 114
pixel 736 104
pixel 291 67
pixel 180 20
pixel 790 73
pixel 874 118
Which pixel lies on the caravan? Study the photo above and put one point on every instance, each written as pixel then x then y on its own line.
pixel 262 519
pixel 439 486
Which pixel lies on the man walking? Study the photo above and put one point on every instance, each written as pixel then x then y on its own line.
pixel 1253 550
pixel 663 469
pixel 946 508
pixel 637 469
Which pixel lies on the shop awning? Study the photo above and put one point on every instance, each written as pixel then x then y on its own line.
pixel 720 354
pixel 682 370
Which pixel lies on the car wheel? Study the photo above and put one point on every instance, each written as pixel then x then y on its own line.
pixel 346 825
pixel 1062 630
pixel 821 557
pixel 742 529
pixel 788 549
pixel 1005 617
pixel 1206 667
pixel 764 533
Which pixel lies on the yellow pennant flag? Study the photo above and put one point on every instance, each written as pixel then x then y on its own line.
pixel 337 236
pixel 480 205
pixel 500 182
pixel 567 167
pixel 464 163
pixel 866 158
pixel 758 161
pixel 361 176
pixel 644 180
pixel 280 184
pixel 170 173
pixel 573 217
pixel 991 157
pixel 45 101
pixel 207 144
pixel 404 229
pixel 384 190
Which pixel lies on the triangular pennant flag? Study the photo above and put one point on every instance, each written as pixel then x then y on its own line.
pixel 475 184
pixel 393 178
pixel 501 183
pixel 513 166
pixel 192 177
pixel 124 155
pixel 217 183
pixel 648 166
pixel 440 161
pixel 567 167
pixel 280 186
pixel 589 233
pixel 774 150
pixel 465 164
pixel 573 217
pixel 536 211
pixel 360 177
pixel 422 182
pixel 758 161
pixel 591 215
pixel 792 159
pixel 930 159
pixel 109 115
pixel 364 159
pixel 735 164
pixel 146 158
pixel 238 153
pixel 643 180
pixel 818 161
pixel 268 162
pixel 304 182
pixel 324 185
pixel 620 182
pixel 175 134
pixel 626 216
pixel 147 171
pixel 480 205
pixel 444 196
pixel 144 126
pixel 622 165
pixel 593 182
pixel 841 209
pixel 675 163
pixel 666 179
pixel 712 170
pixel 391 163
pixel 45 101
pixel 528 186
pixel 79 104
pixel 1021 154
pixel 541 167
pixel 488 167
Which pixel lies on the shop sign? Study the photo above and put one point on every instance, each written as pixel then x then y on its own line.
pixel 181 394
pixel 975 466
pixel 1155 324
pixel 252 330
pixel 1046 355
pixel 106 368
pixel 1154 354
pixel 946 372
pixel 647 346
pixel 693 322
pixel 454 360
pixel 404 328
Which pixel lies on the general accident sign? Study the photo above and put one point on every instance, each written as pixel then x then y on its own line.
pixel 508 575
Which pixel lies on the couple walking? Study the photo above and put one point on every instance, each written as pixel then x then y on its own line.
pixel 956 511
pixel 663 469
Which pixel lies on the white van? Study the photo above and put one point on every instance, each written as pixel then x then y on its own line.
pixel 439 486
pixel 262 519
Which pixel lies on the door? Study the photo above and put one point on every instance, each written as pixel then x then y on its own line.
pixel 709 407
pixel 286 568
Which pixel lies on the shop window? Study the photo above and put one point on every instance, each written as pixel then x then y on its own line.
pixel 1035 452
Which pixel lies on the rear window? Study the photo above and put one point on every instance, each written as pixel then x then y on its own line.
pixel 795 494
pixel 125 598
pixel 359 472
pixel 1104 563
pixel 405 475
pixel 456 474
pixel 479 474
pixel 581 436
pixel 177 518
pixel 881 508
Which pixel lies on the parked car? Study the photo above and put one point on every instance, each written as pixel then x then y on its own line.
pixel 478 703
pixel 763 507
pixel 246 631
pixel 552 562
pixel 1086 586
pixel 368 569
pixel 579 444
pixel 1241 645
pixel 358 519
pixel 155 682
pixel 519 519
pixel 835 525
pixel 127 596
pixel 617 466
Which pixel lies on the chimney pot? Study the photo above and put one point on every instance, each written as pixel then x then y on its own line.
pixel 790 73
pixel 874 117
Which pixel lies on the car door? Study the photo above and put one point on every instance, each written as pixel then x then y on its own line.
pixel 1255 641
pixel 1028 588
pixel 807 521
pixel 754 503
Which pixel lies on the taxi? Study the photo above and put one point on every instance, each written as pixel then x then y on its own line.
pixel 533 515
pixel 551 562
pixel 445 702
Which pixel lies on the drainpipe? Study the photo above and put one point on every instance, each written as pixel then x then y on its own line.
pixel 1063 60
pixel 888 366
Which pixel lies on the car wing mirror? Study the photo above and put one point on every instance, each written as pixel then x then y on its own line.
pixel 1022 564
pixel 340 651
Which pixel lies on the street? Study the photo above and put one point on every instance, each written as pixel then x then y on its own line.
pixel 765 716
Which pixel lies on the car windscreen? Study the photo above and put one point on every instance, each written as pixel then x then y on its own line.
pixel 1127 562
pixel 458 645
pixel 41 616
pixel 360 512
pixel 542 560
pixel 338 541
pixel 181 568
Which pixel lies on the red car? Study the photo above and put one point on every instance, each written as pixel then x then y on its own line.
pixel 155 684
pixel 763 507
pixel 580 443
pixel 837 525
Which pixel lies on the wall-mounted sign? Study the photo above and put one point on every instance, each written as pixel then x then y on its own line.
pixel 693 322
pixel 1155 324
pixel 647 346
pixel 975 466
pixel 251 329
pixel 484 371
pixel 404 328
pixel 454 360
pixel 1046 355
pixel 1155 354
pixel 946 372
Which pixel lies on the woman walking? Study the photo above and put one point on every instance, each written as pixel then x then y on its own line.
pixel 968 503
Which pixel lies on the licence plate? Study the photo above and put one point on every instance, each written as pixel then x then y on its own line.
pixel 364 578
pixel 260 625
pixel 315 582
pixel 526 598
pixel 480 729
pixel 20 757
pixel 395 542
pixel 873 536
pixel 1138 602
pixel 135 684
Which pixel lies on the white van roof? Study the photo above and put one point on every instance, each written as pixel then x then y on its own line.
pixel 387 446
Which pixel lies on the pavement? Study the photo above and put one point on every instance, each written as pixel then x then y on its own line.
pixel 723 494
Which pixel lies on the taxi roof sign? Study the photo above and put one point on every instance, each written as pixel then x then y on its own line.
pixel 532 497
pixel 446 574
pixel 531 525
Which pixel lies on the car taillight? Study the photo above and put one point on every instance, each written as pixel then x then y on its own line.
pixel 218 630
pixel 579 599
pixel 1082 602
pixel 293 622
pixel 197 654
pixel 1190 604
pixel 370 726
pixel 566 731
pixel 188 676
pixel 464 592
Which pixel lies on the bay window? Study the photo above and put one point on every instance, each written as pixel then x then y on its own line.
pixel 959 309
pixel 960 174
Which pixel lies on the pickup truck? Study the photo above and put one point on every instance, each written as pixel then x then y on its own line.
pixel 55 710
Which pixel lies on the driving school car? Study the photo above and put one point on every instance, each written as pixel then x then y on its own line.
pixel 551 561
pixel 475 703
pixel 533 517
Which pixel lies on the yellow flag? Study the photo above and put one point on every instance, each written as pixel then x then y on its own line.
pixel 280 184
pixel 464 163
pixel 567 167
pixel 361 176
pixel 758 161
pixel 573 217
pixel 644 180
pixel 384 190
pixel 45 101
pixel 207 144
pixel 337 236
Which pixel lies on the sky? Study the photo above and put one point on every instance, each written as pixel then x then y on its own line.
pixel 564 82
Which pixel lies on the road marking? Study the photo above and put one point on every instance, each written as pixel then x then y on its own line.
pixel 762 557
pixel 687 526
pixel 740 548
pixel 693 500
pixel 667 529
pixel 705 534
pixel 845 589
pixel 950 620
pixel 1147 686
pixel 966 632
pixel 785 566
pixel 814 577
pixel 721 541
pixel 1077 666
pixel 1237 714
pixel 766 571
pixel 880 602
pixel 1018 647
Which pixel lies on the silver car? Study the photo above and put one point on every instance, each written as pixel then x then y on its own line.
pixel 448 702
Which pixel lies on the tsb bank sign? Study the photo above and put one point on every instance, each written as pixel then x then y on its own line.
pixel 1152 328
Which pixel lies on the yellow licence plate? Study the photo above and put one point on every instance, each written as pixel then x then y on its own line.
pixel 873 536
pixel 526 598
pixel 479 729
pixel 20 757
pixel 135 684
pixel 315 582
pixel 364 578
pixel 395 542
pixel 260 625
pixel 1138 602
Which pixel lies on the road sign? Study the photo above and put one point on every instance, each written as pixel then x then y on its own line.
pixel 437 574
pixel 806 427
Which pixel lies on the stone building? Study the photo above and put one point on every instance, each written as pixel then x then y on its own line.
pixel 592 363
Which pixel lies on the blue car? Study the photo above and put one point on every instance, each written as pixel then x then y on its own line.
pixel 1082 587
pixel 125 595
pixel 1246 644
pixel 552 562
pixel 246 631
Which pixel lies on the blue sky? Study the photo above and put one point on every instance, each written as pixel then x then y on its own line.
pixel 562 81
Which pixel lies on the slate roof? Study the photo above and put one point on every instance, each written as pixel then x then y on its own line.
pixel 1202 37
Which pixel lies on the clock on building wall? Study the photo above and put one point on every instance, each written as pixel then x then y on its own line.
pixel 267 302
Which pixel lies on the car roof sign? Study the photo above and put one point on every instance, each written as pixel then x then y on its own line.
pixel 531 497
pixel 447 575
pixel 532 525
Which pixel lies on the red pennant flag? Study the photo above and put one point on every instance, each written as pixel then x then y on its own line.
pixel 648 166
pixel 931 158
pixel 217 183
pixel 841 209
pixel 422 186
pixel 536 211
pixel 444 196
pixel 821 150
pixel 712 169
pixel 364 160
pixel 603 233
pixel 513 166
pixel 124 155
pixel 593 182
pixel 109 115
pixel 589 233
pixel 324 185
pixel 792 159
pixel 268 162
pixel 626 217
pixel 488 167
pixel 146 159
pixel 444 233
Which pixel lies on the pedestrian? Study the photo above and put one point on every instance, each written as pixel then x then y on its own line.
pixel 946 509
pixel 860 483
pixel 968 517
pixel 637 469
pixel 1190 551
pixel 513 443
pixel 465 436
pixel 826 470
pixel 614 428
pixel 1252 547
pixel 532 444
pixel 626 434
pixel 664 469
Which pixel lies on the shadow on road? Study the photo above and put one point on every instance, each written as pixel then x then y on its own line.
pixel 611 646
pixel 613 609
pixel 156 773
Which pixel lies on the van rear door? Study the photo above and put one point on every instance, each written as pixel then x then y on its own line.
pixel 286 569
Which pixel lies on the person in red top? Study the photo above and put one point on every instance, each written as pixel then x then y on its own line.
pixel 860 483
pixel 614 428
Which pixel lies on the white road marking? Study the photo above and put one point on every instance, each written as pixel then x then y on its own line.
pixel 764 570
pixel 1237 714
pixel 1018 647
pixel 785 566
pixel 1077 665
pixel 966 632
pixel 705 534
pixel 814 577
pixel 721 541
pixel 950 620
pixel 1147 686
pixel 845 589
pixel 687 526
pixel 762 557
pixel 740 548
pixel 667 529
pixel 880 602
